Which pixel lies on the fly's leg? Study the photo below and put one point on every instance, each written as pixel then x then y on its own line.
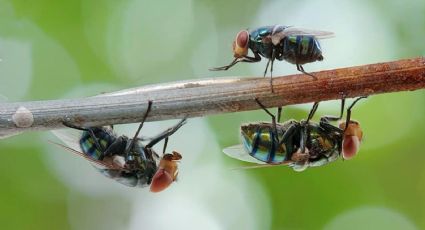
pixel 287 140
pixel 165 145
pixel 301 69
pixel 130 145
pixel 290 132
pixel 349 111
pixel 273 119
pixel 166 133
pixel 69 125
pixel 312 111
pixel 143 120
pixel 249 59
pixel 279 113
pixel 256 58
pixel 271 68
pixel 267 67
pixel 328 118
pixel 305 127
pixel 226 67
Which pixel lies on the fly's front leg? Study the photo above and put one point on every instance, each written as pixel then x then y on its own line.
pixel 164 148
pixel 349 111
pixel 166 133
pixel 248 59
pixel 226 67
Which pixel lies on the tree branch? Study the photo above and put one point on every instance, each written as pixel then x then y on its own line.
pixel 194 98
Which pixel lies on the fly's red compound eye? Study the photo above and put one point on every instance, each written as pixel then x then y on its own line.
pixel 240 45
pixel 161 180
pixel 166 173
pixel 352 138
pixel 350 147
pixel 242 38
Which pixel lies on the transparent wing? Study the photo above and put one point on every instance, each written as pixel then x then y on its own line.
pixel 238 152
pixel 260 166
pixel 98 164
pixel 301 31
pixel 71 139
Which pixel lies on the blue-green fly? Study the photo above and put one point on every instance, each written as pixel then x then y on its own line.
pixel 278 42
pixel 299 144
pixel 124 159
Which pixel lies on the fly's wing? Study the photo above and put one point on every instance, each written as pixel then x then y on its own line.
pixel 238 152
pixel 71 139
pixel 98 164
pixel 301 31
pixel 293 31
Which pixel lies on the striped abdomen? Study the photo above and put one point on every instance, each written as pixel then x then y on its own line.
pixel 301 49
pixel 88 145
pixel 261 144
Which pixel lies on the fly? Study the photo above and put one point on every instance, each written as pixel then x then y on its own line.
pixel 126 160
pixel 299 144
pixel 294 45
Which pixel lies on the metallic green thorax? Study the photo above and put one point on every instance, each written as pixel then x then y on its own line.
pixel 257 43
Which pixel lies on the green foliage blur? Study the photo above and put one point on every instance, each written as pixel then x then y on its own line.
pixel 50 48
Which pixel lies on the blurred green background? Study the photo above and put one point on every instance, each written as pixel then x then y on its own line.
pixel 63 49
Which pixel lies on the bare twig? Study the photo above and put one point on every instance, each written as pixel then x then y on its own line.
pixel 212 96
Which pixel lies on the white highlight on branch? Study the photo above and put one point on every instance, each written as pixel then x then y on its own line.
pixel 23 118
